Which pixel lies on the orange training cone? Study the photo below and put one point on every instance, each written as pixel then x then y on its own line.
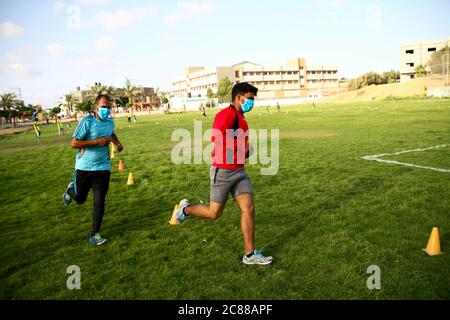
pixel 434 244
pixel 121 165
pixel 172 220
pixel 130 180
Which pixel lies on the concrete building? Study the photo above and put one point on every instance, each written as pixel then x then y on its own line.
pixel 415 54
pixel 80 96
pixel 295 79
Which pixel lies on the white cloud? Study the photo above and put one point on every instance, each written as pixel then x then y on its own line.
pixel 330 3
pixel 190 9
pixel 106 42
pixel 374 16
pixel 169 38
pixel 16 64
pixel 10 30
pixel 91 63
pixel 59 6
pixel 91 2
pixel 123 18
pixel 55 50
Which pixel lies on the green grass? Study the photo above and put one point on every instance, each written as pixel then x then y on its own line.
pixel 326 217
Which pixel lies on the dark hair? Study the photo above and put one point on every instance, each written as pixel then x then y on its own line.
pixel 100 96
pixel 242 88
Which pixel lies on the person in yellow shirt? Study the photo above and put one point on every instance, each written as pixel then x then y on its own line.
pixel 37 129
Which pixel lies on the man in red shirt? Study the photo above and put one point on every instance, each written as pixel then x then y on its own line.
pixel 228 175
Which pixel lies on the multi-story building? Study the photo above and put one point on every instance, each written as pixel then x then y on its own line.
pixel 295 79
pixel 80 96
pixel 416 54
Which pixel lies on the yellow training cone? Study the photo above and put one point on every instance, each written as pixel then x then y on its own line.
pixel 112 151
pixel 130 179
pixel 172 220
pixel 434 244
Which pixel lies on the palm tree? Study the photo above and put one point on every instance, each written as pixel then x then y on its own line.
pixel 68 101
pixel 54 113
pixel 132 92
pixel 115 94
pixel 97 90
pixel 10 106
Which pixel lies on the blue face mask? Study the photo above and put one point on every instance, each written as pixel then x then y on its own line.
pixel 103 113
pixel 248 105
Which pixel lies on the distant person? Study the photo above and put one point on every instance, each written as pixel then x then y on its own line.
pixel 47 121
pixel 267 108
pixel 129 118
pixel 60 127
pixel 37 129
pixel 69 126
pixel 92 138
pixel 278 107
pixel 203 110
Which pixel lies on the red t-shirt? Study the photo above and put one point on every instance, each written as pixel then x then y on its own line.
pixel 230 138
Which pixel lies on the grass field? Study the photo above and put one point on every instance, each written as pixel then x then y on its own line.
pixel 326 217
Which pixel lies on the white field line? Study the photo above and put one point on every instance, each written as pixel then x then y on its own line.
pixel 377 158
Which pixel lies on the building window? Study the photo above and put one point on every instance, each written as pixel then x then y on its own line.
pixel 410 51
pixel 431 49
pixel 410 64
pixel 236 74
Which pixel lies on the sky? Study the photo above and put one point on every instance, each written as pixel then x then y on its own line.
pixel 48 48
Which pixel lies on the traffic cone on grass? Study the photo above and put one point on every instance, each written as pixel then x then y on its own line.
pixel 130 180
pixel 172 220
pixel 434 244
pixel 121 165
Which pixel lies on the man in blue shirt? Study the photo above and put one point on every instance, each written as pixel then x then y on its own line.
pixel 92 137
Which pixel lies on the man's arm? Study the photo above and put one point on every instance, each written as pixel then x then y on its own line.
pixel 116 141
pixel 80 144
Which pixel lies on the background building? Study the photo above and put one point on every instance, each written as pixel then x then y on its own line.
pixel 415 54
pixel 295 79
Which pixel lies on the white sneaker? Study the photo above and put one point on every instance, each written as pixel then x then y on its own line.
pixel 257 258
pixel 179 215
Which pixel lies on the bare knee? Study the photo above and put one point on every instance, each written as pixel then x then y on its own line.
pixel 215 214
pixel 250 210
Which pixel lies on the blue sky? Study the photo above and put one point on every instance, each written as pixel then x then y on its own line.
pixel 48 48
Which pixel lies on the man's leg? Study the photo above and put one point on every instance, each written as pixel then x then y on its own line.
pixel 100 185
pixel 211 211
pixel 220 190
pixel 82 185
pixel 245 202
pixel 243 194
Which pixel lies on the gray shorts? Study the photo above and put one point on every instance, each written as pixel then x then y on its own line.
pixel 224 182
